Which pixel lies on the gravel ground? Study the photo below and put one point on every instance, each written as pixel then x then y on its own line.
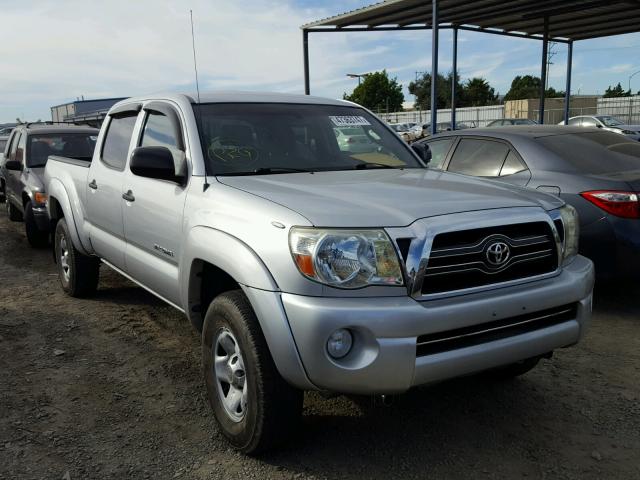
pixel 111 388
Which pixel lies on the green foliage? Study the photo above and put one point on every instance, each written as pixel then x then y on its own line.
pixel 477 92
pixel 474 92
pixel 528 86
pixel 617 91
pixel 378 92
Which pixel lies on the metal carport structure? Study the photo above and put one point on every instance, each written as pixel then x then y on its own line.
pixel 562 21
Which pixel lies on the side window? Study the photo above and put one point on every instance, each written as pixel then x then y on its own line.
pixel 575 121
pixel 477 157
pixel 14 146
pixel 158 132
pixel 21 147
pixel 589 122
pixel 116 143
pixel 512 165
pixel 439 150
pixel 10 144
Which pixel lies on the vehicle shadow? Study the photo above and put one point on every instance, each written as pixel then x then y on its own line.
pixel 617 297
pixel 427 426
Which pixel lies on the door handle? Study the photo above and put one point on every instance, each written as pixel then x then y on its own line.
pixel 93 185
pixel 129 196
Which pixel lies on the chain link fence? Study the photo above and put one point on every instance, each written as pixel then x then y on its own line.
pixel 627 109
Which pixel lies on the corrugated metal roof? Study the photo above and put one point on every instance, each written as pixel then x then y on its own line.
pixel 568 19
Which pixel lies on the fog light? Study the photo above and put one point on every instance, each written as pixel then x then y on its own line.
pixel 339 343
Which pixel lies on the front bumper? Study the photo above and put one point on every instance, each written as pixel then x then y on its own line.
pixel 383 358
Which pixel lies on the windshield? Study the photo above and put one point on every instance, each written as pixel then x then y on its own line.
pixel 263 138
pixel 595 152
pixel 72 145
pixel 610 121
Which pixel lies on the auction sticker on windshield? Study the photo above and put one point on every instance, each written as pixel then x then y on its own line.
pixel 349 120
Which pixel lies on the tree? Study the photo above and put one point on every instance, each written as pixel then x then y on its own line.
pixel 477 92
pixel 378 92
pixel 617 91
pixel 528 86
pixel 474 92
pixel 421 88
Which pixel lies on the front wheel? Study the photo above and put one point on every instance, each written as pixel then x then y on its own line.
pixel 253 405
pixel 37 238
pixel 78 273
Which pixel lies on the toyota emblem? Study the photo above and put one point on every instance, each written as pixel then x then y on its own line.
pixel 497 253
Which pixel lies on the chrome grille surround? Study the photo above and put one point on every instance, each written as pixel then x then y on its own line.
pixel 423 232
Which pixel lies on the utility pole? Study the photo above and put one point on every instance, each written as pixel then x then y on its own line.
pixel 550 54
pixel 358 76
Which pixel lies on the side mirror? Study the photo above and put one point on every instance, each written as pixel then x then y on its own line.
pixel 155 162
pixel 13 165
pixel 598 125
pixel 423 151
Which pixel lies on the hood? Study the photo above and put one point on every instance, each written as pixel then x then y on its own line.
pixel 385 198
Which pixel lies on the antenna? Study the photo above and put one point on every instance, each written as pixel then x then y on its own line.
pixel 195 63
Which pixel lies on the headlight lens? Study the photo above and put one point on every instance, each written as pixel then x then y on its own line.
pixel 345 258
pixel 569 217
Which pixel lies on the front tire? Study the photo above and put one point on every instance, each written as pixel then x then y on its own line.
pixel 78 273
pixel 36 237
pixel 254 407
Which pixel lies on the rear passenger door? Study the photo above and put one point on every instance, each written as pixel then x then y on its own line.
pixel 153 215
pixel 489 158
pixel 104 194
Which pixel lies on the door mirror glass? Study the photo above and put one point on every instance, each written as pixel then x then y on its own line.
pixel 423 151
pixel 13 165
pixel 158 163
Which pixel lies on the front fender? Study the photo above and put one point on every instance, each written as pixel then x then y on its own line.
pixel 72 212
pixel 240 262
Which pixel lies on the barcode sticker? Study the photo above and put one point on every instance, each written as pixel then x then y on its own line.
pixel 349 121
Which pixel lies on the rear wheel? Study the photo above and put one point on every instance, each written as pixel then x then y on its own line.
pixel 12 211
pixel 78 273
pixel 253 405
pixel 37 238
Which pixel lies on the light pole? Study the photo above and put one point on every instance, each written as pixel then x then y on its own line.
pixel 357 75
pixel 631 96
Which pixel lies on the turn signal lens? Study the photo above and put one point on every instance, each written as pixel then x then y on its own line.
pixel 620 204
pixel 40 198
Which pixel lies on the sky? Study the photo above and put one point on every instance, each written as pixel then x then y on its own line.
pixel 53 51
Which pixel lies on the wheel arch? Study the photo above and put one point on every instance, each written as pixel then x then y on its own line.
pixel 58 207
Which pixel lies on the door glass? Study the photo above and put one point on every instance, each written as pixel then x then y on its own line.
pixel 588 122
pixel 20 149
pixel 158 132
pixel 481 158
pixel 116 144
pixel 439 150
pixel 14 146
pixel 512 165
pixel 575 121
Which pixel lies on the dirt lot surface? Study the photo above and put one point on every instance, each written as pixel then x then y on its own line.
pixel 111 388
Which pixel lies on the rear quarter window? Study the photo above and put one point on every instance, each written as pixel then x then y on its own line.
pixel 595 152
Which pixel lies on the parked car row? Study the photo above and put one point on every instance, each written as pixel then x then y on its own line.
pixel 22 168
pixel 311 247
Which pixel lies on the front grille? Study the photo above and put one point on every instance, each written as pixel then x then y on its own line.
pixel 491 331
pixel 485 256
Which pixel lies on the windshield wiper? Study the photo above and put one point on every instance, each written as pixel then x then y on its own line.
pixel 364 166
pixel 268 171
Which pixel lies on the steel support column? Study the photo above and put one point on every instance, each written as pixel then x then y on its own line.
pixel 543 70
pixel 434 66
pixel 305 53
pixel 454 80
pixel 567 93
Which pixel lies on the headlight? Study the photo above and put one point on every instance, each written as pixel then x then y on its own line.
pixel 345 258
pixel 571 227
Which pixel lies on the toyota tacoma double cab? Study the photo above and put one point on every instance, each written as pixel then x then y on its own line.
pixel 308 265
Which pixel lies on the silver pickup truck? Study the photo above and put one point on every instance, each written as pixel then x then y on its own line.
pixel 308 265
